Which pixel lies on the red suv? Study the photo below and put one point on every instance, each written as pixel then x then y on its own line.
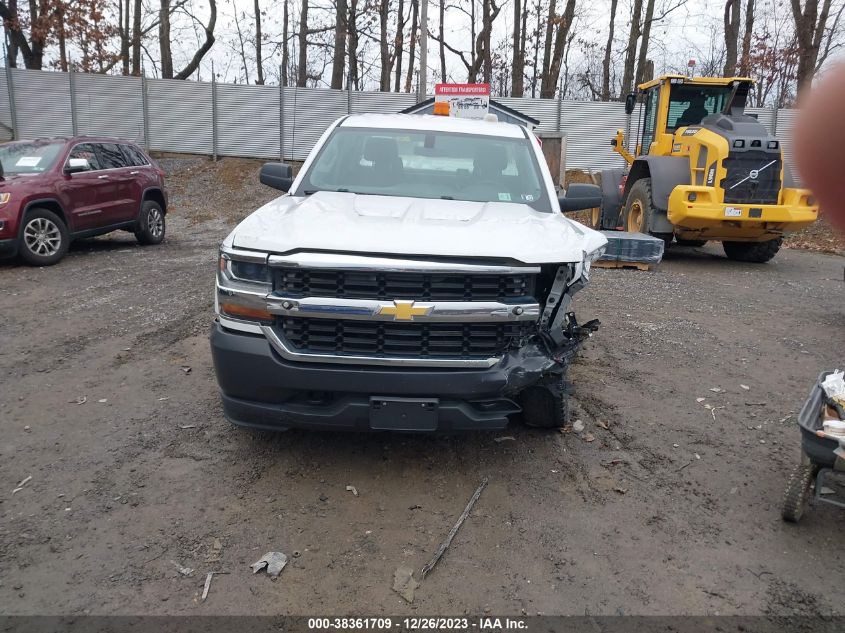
pixel 53 191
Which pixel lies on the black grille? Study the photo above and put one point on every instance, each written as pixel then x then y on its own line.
pixel 416 286
pixel 739 187
pixel 389 339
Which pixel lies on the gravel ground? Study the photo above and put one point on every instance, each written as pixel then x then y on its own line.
pixel 109 404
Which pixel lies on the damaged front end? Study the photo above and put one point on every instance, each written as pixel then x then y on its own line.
pixel 536 370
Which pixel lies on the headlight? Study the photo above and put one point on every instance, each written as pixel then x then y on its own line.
pixel 242 288
pixel 592 256
pixel 4 197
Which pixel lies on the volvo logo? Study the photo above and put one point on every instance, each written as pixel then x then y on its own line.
pixel 754 174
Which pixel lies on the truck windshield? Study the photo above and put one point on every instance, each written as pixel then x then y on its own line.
pixel 29 157
pixel 689 104
pixel 426 164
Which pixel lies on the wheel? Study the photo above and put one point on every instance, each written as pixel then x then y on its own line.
pixel 755 252
pixel 151 226
pixel 546 404
pixel 639 210
pixel 798 492
pixel 690 242
pixel 44 238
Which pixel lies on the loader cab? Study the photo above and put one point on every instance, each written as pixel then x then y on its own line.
pixel 668 104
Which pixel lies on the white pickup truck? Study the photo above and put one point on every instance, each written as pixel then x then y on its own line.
pixel 417 276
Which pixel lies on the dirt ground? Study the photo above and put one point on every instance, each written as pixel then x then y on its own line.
pixel 109 404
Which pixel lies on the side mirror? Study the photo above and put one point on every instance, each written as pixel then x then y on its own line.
pixel 579 197
pixel 276 175
pixel 630 102
pixel 76 165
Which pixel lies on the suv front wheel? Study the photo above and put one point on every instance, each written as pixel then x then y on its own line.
pixel 151 226
pixel 44 238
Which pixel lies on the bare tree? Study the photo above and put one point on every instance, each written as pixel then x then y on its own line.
pixel 352 44
pixel 136 38
pixel 164 41
pixel 258 41
pixel 384 49
pixel 518 61
pixel 41 23
pixel 744 66
pixel 302 65
pixel 810 25
pixel 731 20
pixel 415 11
pixel 442 38
pixel 339 44
pixel 285 46
pixel 559 25
pixel 399 44
pixel 631 49
pixel 608 49
pixel 642 61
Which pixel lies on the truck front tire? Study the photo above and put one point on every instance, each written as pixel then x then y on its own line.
pixel 755 252
pixel 546 404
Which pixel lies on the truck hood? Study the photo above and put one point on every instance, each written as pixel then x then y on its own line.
pixel 352 223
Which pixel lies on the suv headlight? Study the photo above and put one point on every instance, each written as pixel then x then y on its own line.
pixel 243 284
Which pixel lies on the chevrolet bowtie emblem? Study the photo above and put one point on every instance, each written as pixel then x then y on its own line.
pixel 404 310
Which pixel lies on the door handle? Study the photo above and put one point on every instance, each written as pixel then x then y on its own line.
pixel 104 177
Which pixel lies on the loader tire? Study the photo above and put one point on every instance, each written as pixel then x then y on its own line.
pixel 639 210
pixel 798 492
pixel 754 252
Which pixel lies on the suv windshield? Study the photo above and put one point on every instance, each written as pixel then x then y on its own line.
pixel 689 104
pixel 426 164
pixel 29 157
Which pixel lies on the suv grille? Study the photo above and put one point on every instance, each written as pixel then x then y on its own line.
pixel 388 339
pixel 416 286
pixel 739 187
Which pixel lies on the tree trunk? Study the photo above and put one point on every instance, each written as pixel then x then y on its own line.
pixel 547 45
pixel 809 31
pixel 258 61
pixel 60 28
pixel 536 51
pixel 631 50
pixel 136 38
pixel 551 76
pixel 285 46
pixel 442 41
pixel 518 62
pixel 302 65
pixel 487 27
pixel 731 20
pixel 384 50
pixel 400 45
pixel 415 16
pixel 745 60
pixel 123 28
pixel 644 42
pixel 164 40
pixel 339 44
pixel 608 49
pixel 354 80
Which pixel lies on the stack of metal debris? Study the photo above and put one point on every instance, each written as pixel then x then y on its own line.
pixel 635 250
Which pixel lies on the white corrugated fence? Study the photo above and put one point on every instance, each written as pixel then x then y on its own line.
pixel 264 121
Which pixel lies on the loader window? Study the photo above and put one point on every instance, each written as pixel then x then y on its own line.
pixel 649 120
pixel 688 105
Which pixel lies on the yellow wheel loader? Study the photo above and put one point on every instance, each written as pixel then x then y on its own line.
pixel 703 170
